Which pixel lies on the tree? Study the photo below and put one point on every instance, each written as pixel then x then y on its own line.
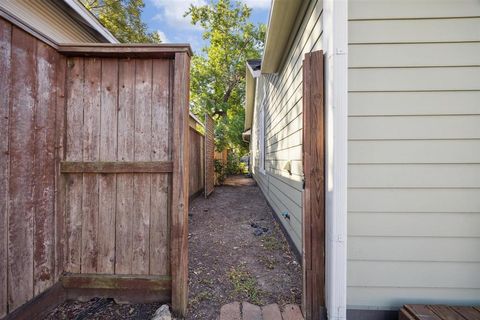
pixel 123 19
pixel 218 73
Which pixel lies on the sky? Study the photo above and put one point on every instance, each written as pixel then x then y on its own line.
pixel 166 18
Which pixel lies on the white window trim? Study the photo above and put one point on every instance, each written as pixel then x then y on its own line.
pixel 261 137
pixel 335 44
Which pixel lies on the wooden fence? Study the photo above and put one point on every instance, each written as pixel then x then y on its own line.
pixel 209 155
pixel 94 167
pixel 197 166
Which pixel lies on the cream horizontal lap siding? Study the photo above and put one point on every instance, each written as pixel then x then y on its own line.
pixel 48 17
pixel 414 153
pixel 283 126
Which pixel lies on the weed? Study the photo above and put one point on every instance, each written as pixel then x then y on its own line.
pixel 245 284
pixel 201 296
pixel 269 262
pixel 206 281
pixel 271 243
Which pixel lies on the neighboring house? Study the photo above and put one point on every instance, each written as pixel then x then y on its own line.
pixel 58 21
pixel 402 103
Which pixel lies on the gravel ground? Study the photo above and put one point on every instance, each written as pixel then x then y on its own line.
pixel 237 253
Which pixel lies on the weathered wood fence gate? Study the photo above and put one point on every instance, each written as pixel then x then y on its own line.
pixel 93 172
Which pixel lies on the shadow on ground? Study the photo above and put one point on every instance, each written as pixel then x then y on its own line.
pixel 238 252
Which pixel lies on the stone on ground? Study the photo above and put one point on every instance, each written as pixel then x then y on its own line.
pixel 230 311
pixel 251 312
pixel 271 312
pixel 162 313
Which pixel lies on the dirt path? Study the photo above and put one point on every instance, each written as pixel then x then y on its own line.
pixel 237 252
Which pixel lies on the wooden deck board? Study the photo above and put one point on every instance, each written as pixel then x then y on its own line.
pixel 438 312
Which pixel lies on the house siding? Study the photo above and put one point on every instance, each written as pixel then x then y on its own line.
pixel 49 18
pixel 283 127
pixel 414 153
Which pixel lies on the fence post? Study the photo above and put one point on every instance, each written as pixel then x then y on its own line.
pixel 179 227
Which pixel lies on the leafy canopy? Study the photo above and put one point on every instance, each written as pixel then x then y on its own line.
pixel 123 19
pixel 218 73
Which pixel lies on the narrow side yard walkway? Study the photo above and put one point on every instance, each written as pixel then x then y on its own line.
pixel 238 252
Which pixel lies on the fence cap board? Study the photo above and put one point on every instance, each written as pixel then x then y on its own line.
pixel 124 50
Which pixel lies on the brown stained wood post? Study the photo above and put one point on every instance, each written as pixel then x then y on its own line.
pixel 179 229
pixel 314 193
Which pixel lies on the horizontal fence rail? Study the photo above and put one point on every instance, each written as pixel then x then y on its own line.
pixel 94 169
pixel 116 167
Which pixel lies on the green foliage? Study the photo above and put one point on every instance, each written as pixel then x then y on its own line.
pixel 218 73
pixel 220 170
pixel 234 166
pixel 245 285
pixel 123 19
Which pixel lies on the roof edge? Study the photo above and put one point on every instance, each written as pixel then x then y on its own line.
pixel 283 15
pixel 91 20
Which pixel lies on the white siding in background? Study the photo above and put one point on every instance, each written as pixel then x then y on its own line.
pixel 283 126
pixel 414 153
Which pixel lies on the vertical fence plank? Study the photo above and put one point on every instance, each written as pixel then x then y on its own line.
pixel 142 181
pixel 91 146
pixel 179 207
pixel 125 140
pixel 306 236
pixel 108 152
pixel 5 67
pixel 160 152
pixel 60 126
pixel 44 169
pixel 314 194
pixel 74 152
pixel 20 224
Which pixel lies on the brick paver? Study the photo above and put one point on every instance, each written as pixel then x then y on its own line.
pixel 248 311
pixel 271 312
pixel 230 311
pixel 292 312
pixel 251 312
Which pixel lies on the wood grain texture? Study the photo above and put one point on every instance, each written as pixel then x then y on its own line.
pixel 125 282
pixel 143 51
pixel 142 181
pixel 22 137
pixel 314 193
pixel 74 152
pixel 209 155
pixel 91 152
pixel 60 185
pixel 116 166
pixel 5 76
pixel 179 226
pixel 108 152
pixel 44 170
pixel 306 230
pixel 86 173
pixel 197 163
pixel 125 152
pixel 159 224
pixel 40 305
